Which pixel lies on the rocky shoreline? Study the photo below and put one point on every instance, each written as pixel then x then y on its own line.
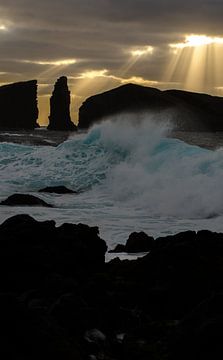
pixel 59 299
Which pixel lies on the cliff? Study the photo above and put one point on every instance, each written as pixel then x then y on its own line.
pixel 59 118
pixel 18 105
pixel 189 111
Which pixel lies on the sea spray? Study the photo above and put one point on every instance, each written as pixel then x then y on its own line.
pixel 122 164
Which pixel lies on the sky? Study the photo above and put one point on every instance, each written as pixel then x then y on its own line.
pixel 101 44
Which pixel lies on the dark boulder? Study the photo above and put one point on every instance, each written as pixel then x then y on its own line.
pixel 118 249
pixel 57 190
pixel 136 243
pixel 18 106
pixel 189 111
pixel 59 118
pixel 31 252
pixel 139 242
pixel 24 200
pixel 28 334
pixel 58 297
pixel 200 333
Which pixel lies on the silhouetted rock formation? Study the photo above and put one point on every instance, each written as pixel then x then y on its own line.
pixel 60 107
pixel 58 190
pixel 189 111
pixel 18 106
pixel 24 200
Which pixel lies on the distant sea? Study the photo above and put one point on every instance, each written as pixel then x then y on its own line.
pixel 130 177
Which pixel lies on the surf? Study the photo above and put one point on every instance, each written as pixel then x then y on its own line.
pixel 124 162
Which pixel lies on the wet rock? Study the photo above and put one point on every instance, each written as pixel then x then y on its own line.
pixel 200 333
pixel 139 242
pixel 136 243
pixel 18 106
pixel 70 312
pixel 56 291
pixel 59 118
pixel 30 251
pixel 24 200
pixel 94 335
pixel 28 335
pixel 58 190
pixel 118 249
pixel 95 343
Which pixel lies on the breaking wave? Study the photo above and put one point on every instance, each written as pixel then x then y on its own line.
pixel 125 164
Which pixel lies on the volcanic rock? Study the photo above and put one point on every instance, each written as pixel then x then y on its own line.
pixel 18 106
pixel 40 264
pixel 139 242
pixel 136 243
pixel 187 110
pixel 24 200
pixel 59 118
pixel 58 190
pixel 118 249
pixel 31 251
pixel 58 297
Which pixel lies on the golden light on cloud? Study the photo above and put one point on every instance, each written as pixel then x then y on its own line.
pixel 3 28
pixel 64 62
pixel 197 40
pixel 196 62
pixel 142 51
pixel 138 80
pixel 92 74
pixel 51 68
pixel 59 62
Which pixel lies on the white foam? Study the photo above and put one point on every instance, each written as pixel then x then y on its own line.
pixel 133 176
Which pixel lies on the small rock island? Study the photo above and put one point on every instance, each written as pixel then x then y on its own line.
pixel 188 111
pixel 59 118
pixel 18 104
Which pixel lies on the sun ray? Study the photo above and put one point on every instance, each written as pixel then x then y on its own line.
pixel 178 65
pixel 196 62
pixel 195 80
pixel 136 54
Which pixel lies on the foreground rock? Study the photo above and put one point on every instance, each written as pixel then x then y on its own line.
pixel 59 299
pixel 188 111
pixel 18 106
pixel 58 190
pixel 24 200
pixel 136 243
pixel 59 118
pixel 42 271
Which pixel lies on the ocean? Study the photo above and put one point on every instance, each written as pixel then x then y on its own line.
pixel 130 176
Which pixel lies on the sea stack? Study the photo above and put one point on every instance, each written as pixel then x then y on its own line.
pixel 18 104
pixel 59 118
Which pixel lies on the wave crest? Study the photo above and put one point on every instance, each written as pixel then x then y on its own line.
pixel 127 164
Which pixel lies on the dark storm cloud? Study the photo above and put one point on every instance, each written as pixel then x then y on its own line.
pixel 100 32
pixel 69 13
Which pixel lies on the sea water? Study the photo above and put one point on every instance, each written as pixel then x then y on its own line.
pixel 130 176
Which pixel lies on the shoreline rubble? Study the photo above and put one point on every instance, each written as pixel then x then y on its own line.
pixel 59 298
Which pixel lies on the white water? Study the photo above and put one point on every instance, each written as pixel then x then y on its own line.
pixel 132 178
